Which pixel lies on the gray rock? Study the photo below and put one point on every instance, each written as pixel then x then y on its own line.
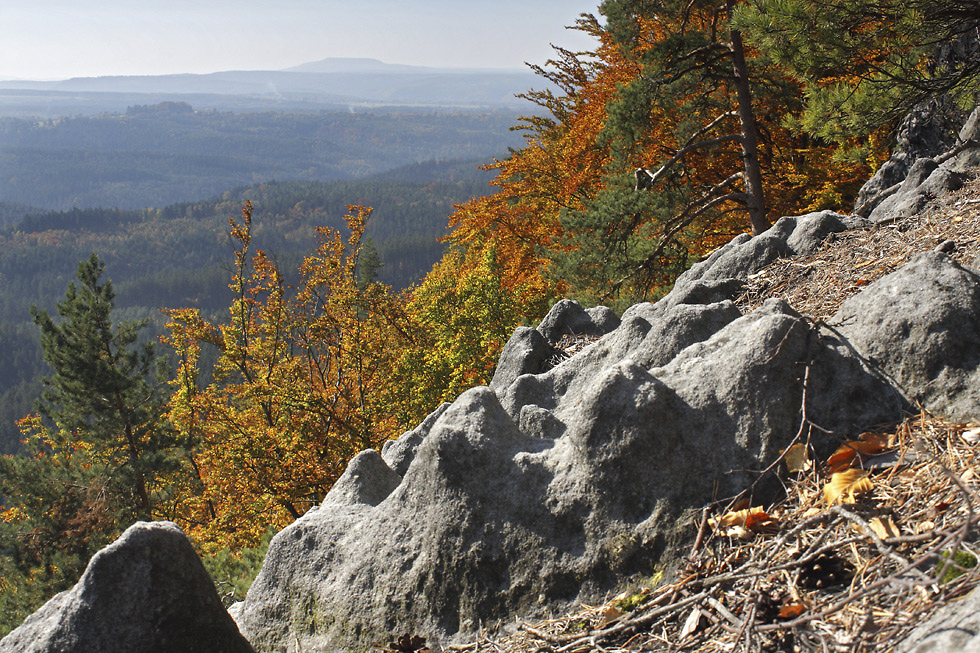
pixel 147 591
pixel 971 128
pixel 527 352
pixel 926 181
pixel 937 150
pixel 561 486
pixel 398 454
pixel 367 480
pixel 929 130
pixel 567 317
pixel 954 627
pixel 717 277
pixel 920 325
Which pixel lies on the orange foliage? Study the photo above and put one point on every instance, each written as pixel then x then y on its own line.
pixel 292 394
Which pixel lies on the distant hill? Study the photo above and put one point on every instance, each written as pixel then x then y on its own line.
pixel 330 82
pixel 351 65
pixel 158 154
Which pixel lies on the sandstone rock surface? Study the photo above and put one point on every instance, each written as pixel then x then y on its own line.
pixel 955 628
pixel 558 484
pixel 145 592
pixel 927 177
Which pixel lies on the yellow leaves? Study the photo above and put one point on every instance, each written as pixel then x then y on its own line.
pixel 796 459
pixel 884 527
pixel 743 523
pixel 297 390
pixel 845 486
pixel 855 451
pixel 13 515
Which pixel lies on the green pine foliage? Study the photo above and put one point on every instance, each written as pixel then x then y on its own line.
pixel 97 456
pixel 615 240
pixel 106 392
pixel 866 63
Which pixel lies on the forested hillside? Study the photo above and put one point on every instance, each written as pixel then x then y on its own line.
pixel 690 123
pixel 160 154
pixel 180 255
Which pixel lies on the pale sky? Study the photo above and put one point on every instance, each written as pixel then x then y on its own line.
pixel 58 39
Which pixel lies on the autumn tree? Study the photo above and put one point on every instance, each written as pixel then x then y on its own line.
pixel 293 395
pixel 461 315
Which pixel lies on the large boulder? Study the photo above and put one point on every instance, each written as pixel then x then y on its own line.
pixel 145 592
pixel 920 326
pixel 562 485
pixel 564 480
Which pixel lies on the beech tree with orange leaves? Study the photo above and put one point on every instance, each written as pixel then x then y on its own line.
pixel 698 150
pixel 293 393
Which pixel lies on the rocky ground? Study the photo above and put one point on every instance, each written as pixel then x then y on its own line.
pixel 778 455
pixel 865 546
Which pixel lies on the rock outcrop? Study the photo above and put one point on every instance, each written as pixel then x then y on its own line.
pixel 924 178
pixel 928 131
pixel 145 592
pixel 559 483
pixel 568 476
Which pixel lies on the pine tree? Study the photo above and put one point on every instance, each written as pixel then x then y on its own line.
pixel 96 457
pixel 686 130
pixel 865 63
pixel 104 389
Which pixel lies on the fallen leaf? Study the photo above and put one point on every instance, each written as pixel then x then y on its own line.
pixel 796 459
pixel 692 624
pixel 848 453
pixel 791 611
pixel 865 264
pixel 924 526
pixel 751 519
pixel 861 282
pixel 608 615
pixel 846 485
pixel 884 527
pixel 967 475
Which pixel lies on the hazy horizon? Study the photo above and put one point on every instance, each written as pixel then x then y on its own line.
pixel 59 39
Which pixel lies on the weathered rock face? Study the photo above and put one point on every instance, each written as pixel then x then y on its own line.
pixel 928 131
pixel 146 592
pixel 909 180
pixel 921 327
pixel 559 483
pixel 955 627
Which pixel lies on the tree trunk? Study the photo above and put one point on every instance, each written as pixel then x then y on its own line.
pixel 750 140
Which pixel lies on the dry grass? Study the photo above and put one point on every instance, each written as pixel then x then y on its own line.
pixel 808 575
